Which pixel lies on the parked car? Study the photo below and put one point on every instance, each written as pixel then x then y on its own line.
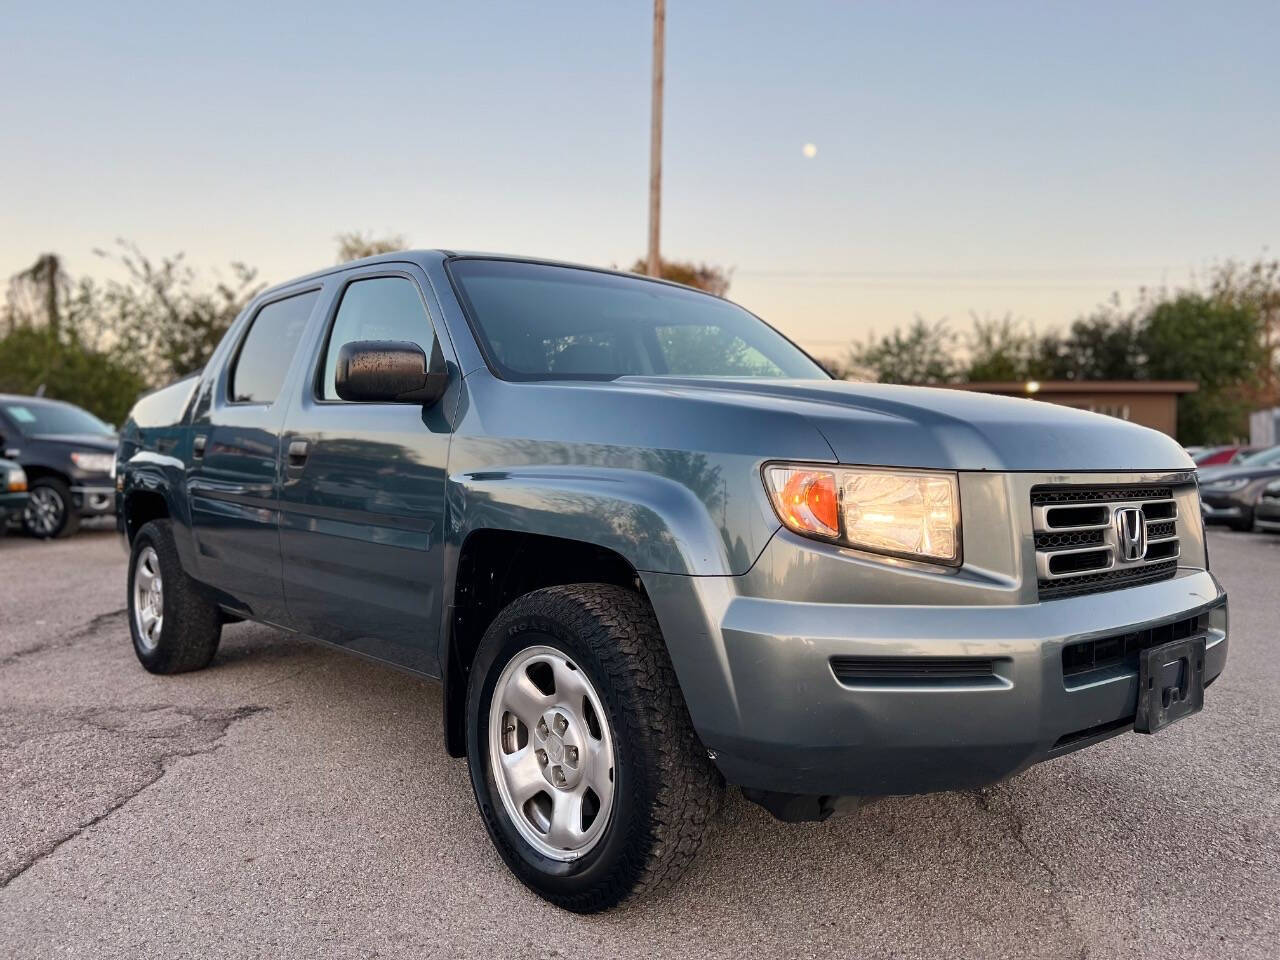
pixel 68 455
pixel 1266 513
pixel 1228 494
pixel 648 545
pixel 13 494
pixel 1222 456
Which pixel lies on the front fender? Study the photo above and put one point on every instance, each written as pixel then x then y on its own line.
pixel 655 523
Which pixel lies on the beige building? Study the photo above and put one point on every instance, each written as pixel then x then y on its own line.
pixel 1152 403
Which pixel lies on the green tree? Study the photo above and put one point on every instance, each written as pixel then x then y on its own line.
pixel 52 339
pixel 57 361
pixel 1256 286
pixel 923 353
pixel 1003 349
pixel 1103 346
pixel 166 313
pixel 704 276
pixel 356 245
pixel 1216 343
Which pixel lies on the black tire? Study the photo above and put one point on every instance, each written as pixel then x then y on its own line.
pixel 190 625
pixel 1244 524
pixel 50 492
pixel 666 790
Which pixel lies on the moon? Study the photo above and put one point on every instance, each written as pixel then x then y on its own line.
pixel 810 150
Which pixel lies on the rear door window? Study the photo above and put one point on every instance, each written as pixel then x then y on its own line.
pixel 268 349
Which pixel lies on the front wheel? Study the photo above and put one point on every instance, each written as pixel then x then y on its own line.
pixel 589 777
pixel 50 510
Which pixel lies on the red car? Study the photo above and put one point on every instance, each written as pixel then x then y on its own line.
pixel 1221 456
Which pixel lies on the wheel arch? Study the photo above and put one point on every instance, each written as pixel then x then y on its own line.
pixel 494 567
pixel 37 471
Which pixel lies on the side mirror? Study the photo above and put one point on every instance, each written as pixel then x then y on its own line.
pixel 390 371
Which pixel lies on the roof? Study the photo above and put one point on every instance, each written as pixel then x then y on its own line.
pixel 421 256
pixel 1032 387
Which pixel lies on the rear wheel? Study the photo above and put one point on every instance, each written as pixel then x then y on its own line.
pixel 50 510
pixel 589 777
pixel 175 627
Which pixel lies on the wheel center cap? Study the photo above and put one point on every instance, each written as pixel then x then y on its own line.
pixel 555 748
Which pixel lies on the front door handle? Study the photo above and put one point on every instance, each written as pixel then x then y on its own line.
pixel 297 454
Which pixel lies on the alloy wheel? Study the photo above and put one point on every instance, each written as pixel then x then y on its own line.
pixel 148 598
pixel 551 753
pixel 44 512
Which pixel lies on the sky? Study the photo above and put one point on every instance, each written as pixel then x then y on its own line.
pixel 971 158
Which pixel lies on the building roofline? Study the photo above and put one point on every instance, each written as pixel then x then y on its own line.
pixel 1035 387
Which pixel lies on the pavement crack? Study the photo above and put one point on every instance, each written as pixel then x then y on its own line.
pixel 62 639
pixel 223 719
pixel 1018 834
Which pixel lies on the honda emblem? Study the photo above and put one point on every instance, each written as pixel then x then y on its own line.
pixel 1131 533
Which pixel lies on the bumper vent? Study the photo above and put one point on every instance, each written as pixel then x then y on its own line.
pixel 915 671
pixel 1093 539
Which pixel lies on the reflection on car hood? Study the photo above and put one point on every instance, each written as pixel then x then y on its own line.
pixel 82 441
pixel 887 425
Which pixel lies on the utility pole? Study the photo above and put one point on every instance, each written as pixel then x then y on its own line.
pixel 654 260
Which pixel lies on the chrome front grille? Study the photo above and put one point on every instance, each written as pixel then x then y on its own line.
pixel 1091 539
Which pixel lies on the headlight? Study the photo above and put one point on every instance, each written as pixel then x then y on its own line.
pixel 1225 486
pixel 901 513
pixel 94 462
pixel 16 481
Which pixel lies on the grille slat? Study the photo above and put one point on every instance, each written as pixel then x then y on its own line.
pixel 1077 542
pixel 1108 580
pixel 1042 496
pixel 1084 538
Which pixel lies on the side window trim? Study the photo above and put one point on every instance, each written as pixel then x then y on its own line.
pixel 227 392
pixel 321 359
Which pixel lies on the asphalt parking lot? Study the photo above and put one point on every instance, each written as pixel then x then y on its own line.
pixel 293 801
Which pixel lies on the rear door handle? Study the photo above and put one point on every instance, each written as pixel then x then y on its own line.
pixel 297 454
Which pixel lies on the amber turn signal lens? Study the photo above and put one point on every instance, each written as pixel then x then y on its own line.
pixel 807 500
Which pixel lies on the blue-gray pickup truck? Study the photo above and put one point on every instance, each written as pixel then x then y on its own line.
pixel 649 546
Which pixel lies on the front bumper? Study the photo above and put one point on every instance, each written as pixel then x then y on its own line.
pixel 12 505
pixel 1231 506
pixel 754 655
pixel 94 500
pixel 799 730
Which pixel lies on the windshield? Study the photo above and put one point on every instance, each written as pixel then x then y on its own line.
pixel 541 322
pixel 36 419
pixel 1263 458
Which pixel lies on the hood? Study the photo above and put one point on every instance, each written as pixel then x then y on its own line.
pixel 886 425
pixel 1228 473
pixel 81 441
